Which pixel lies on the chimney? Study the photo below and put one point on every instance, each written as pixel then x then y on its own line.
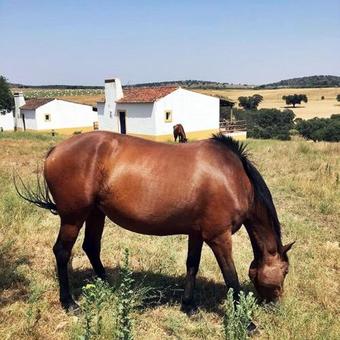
pixel 113 90
pixel 19 101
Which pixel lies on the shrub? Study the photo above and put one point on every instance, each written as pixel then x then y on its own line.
pixel 335 116
pixel 267 123
pixel 318 129
pixel 238 316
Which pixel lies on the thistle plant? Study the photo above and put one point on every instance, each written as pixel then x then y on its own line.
pixel 238 316
pixel 95 296
pixel 125 301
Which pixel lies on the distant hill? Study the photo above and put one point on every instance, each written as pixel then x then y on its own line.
pixel 311 81
pixel 192 84
pixel 61 87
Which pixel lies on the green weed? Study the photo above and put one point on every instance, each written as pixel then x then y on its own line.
pixel 125 301
pixel 238 316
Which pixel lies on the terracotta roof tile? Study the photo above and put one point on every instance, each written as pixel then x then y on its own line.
pixel 32 104
pixel 145 94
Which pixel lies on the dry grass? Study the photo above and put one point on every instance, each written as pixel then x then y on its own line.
pixel 273 99
pixel 304 179
pixel 87 100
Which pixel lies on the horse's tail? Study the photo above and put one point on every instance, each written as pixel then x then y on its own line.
pixel 261 190
pixel 40 196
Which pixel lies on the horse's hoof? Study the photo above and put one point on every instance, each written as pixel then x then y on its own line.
pixel 252 329
pixel 103 277
pixel 189 309
pixel 71 307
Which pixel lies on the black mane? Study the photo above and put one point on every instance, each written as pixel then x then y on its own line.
pixel 261 189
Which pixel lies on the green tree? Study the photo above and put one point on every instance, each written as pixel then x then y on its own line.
pixel 267 123
pixel 6 97
pixel 317 129
pixel 251 102
pixel 338 97
pixel 294 99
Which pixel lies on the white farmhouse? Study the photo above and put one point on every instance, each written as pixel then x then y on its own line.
pixel 55 114
pixel 6 120
pixel 151 112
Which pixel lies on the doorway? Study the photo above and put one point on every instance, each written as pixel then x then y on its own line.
pixel 122 121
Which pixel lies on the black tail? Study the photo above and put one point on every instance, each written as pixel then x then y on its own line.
pixel 261 189
pixel 41 197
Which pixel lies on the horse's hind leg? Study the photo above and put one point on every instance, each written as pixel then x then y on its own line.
pixel 68 233
pixel 193 261
pixel 93 234
pixel 222 248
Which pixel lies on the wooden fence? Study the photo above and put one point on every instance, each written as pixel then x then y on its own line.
pixel 233 126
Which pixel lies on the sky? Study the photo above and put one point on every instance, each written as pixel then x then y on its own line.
pixel 244 41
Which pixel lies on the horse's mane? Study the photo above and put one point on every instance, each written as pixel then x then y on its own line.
pixel 261 189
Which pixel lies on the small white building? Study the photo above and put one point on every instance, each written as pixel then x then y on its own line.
pixel 151 112
pixel 6 120
pixel 56 114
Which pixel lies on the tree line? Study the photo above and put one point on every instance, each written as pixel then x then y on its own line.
pixel 311 81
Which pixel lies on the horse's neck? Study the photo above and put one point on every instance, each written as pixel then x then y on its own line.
pixel 264 239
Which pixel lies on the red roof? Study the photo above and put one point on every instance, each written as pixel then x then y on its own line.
pixel 32 104
pixel 145 94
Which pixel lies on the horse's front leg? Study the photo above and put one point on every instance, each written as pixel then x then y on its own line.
pixel 193 261
pixel 221 245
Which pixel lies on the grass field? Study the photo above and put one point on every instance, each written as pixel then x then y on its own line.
pixel 273 99
pixel 304 179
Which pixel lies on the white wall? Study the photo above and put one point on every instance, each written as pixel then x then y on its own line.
pixel 6 121
pixel 63 114
pixel 30 121
pixel 106 117
pixel 139 118
pixel 195 111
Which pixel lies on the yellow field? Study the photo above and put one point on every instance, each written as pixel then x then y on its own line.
pixel 87 100
pixel 273 99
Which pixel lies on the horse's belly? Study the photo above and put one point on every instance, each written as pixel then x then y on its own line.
pixel 151 228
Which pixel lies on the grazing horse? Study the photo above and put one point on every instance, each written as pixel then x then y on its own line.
pixel 180 133
pixel 208 197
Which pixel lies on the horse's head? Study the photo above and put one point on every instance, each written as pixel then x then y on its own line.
pixel 268 276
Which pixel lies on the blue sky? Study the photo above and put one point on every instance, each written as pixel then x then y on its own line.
pixel 249 41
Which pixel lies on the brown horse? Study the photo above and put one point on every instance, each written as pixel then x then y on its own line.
pixel 214 191
pixel 180 133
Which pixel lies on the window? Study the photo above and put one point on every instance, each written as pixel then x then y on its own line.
pixel 168 116
pixel 47 117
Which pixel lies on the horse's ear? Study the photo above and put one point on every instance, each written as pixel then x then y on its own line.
pixel 287 247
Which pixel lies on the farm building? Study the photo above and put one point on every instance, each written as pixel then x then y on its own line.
pixel 6 120
pixel 55 114
pixel 151 112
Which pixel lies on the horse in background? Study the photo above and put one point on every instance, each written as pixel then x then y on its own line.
pixel 180 133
